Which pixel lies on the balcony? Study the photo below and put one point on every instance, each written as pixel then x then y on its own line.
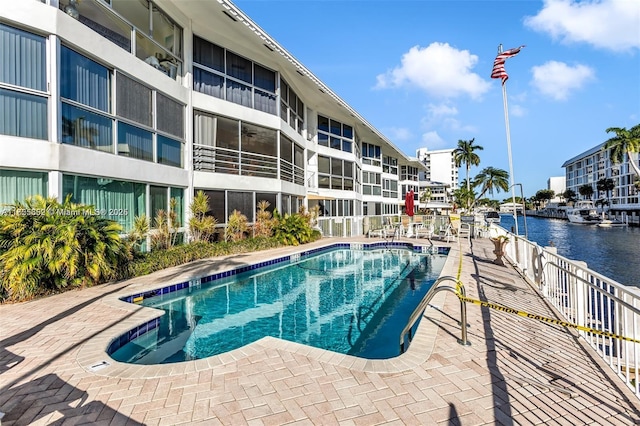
pixel 124 22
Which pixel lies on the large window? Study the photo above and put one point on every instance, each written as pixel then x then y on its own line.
pixel 390 165
pixel 137 132
pixel 23 95
pixel 113 199
pixel 18 185
pixel 158 40
pixel 334 173
pixel 291 161
pixel 371 183
pixel 371 154
pixel 223 203
pixel 335 134
pixel 291 107
pixel 224 145
pixel 221 73
pixel 85 88
pixel 88 119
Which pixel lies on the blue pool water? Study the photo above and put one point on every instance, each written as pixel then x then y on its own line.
pixel 349 301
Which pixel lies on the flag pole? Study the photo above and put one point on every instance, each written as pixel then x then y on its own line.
pixel 506 122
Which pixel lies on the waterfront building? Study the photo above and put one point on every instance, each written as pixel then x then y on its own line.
pixel 558 185
pixel 441 166
pixel 126 105
pixel 594 164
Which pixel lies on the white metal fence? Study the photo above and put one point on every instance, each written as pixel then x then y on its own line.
pixel 588 299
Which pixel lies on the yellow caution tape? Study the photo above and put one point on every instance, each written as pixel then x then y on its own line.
pixel 546 319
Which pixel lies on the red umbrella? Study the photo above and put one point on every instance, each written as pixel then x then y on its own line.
pixel 408 203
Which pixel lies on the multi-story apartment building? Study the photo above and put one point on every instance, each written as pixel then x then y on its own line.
pixel 440 178
pixel 594 164
pixel 440 164
pixel 126 104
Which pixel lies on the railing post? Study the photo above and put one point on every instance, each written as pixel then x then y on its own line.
pixel 580 296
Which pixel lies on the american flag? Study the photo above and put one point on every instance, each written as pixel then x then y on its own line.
pixel 498 65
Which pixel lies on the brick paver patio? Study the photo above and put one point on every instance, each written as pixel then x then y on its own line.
pixel 516 371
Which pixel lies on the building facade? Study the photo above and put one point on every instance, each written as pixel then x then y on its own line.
pixel 126 105
pixel 557 184
pixel 594 164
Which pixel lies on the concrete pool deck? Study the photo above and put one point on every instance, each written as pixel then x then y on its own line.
pixel 516 371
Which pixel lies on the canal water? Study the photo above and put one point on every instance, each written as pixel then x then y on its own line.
pixel 613 252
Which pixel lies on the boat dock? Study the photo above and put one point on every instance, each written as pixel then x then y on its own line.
pixel 515 371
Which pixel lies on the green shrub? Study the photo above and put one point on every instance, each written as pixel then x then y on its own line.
pixel 47 246
pixel 293 229
pixel 146 263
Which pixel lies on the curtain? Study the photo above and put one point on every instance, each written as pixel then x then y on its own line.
pixel 116 200
pixel 18 185
pixel 178 195
pixel 22 58
pixel 23 115
pixel 87 129
pixel 134 142
pixel 83 80
pixel 169 151
pixel 204 132
pixel 239 93
pixel 264 101
pixel 208 83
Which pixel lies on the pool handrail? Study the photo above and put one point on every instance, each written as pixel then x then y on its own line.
pixel 458 290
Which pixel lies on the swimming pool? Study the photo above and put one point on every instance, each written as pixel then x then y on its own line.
pixel 354 302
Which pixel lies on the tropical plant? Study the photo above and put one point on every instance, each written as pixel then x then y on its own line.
pixel 264 220
pixel 586 191
pixel 490 179
pixel 624 142
pixel 138 233
pixel 545 195
pixel 465 154
pixel 569 195
pixel 606 185
pixel 166 227
pixel 293 229
pixel 201 226
pixel 237 225
pixel 46 245
pixel 464 196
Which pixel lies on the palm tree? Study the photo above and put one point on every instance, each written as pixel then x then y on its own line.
pixel 60 245
pixel 465 153
pixel 490 179
pixel 606 184
pixel 624 142
pixel 586 190
pixel 569 195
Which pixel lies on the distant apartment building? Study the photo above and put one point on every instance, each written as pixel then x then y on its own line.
pixel 594 164
pixel 129 104
pixel 440 177
pixel 558 185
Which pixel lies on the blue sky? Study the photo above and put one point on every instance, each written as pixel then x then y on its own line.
pixel 419 71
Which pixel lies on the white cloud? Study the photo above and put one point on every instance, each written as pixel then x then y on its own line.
pixel 432 140
pixel 439 69
pixel 398 133
pixel 517 110
pixel 606 24
pixel 443 116
pixel 557 79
